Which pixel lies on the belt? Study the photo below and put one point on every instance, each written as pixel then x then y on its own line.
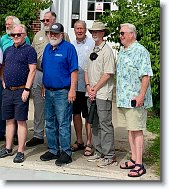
pixel 55 89
pixel 15 88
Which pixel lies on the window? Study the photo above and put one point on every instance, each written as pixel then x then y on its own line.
pixel 75 11
pixel 97 7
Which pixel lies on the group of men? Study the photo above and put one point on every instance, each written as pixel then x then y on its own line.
pixel 65 79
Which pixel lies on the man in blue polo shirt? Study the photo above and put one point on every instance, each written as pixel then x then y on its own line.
pixel 60 65
pixel 19 67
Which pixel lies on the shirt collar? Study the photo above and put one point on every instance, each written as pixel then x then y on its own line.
pixel 130 47
pixel 98 48
pixel 82 42
pixel 20 45
pixel 58 47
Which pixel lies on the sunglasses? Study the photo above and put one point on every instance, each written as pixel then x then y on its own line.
pixel 16 34
pixel 47 20
pixel 122 33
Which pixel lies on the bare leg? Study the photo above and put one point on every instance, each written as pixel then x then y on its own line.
pixel 88 133
pixel 10 130
pixel 88 151
pixel 139 146
pixel 131 135
pixel 22 133
pixel 77 120
pixel 131 138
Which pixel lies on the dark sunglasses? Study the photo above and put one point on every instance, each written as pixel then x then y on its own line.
pixel 47 20
pixel 16 34
pixel 122 33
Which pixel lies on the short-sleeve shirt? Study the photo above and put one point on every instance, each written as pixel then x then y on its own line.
pixel 16 61
pixel 6 41
pixel 83 48
pixel 58 64
pixel 104 63
pixel 132 64
pixel 40 41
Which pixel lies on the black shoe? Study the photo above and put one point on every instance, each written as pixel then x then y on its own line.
pixel 63 159
pixel 49 156
pixel 34 141
pixel 15 140
pixel 19 158
pixel 5 152
pixel 2 138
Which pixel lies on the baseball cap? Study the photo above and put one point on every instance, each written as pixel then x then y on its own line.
pixel 56 28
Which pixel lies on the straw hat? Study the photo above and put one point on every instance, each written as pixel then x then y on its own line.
pixel 97 25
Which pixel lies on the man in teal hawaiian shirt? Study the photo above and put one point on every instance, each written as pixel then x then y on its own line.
pixel 133 94
pixel 6 40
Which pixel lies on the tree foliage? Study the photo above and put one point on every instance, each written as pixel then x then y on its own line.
pixel 25 10
pixel 145 15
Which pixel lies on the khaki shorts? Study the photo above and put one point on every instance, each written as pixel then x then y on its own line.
pixel 133 119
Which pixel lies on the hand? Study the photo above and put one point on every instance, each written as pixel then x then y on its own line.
pixel 71 96
pixel 92 93
pixel 139 100
pixel 25 95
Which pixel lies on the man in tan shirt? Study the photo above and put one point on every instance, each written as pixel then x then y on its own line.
pixel 39 43
pixel 99 84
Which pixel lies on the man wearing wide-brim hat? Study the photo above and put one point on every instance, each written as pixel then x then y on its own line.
pixel 99 26
pixel 99 84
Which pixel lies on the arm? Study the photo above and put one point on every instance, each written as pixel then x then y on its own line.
pixel 72 92
pixel 92 90
pixel 144 85
pixel 29 82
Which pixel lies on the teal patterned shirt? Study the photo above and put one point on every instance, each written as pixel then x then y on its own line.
pixel 132 64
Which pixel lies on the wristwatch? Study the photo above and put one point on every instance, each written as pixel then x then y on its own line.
pixel 27 89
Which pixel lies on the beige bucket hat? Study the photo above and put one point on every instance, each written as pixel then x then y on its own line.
pixel 97 25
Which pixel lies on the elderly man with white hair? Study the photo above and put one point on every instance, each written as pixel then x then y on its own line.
pixel 6 40
pixel 133 94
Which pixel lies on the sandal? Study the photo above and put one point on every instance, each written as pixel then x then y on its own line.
pixel 138 171
pixel 127 165
pixel 77 146
pixel 88 150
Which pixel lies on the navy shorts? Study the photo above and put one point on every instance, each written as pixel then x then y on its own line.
pixel 80 104
pixel 12 105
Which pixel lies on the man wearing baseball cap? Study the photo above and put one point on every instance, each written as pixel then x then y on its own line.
pixel 99 82
pixel 40 41
pixel 60 73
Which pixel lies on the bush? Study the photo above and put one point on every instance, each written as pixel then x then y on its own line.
pixel 25 10
pixel 152 153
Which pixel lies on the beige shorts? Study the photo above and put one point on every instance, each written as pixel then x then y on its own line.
pixel 133 119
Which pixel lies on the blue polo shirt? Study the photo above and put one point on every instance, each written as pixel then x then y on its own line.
pixel 58 64
pixel 6 41
pixel 16 61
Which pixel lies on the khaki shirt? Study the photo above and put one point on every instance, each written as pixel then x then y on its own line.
pixel 40 41
pixel 104 63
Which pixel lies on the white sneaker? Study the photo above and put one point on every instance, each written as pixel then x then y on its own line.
pixel 93 158
pixel 105 162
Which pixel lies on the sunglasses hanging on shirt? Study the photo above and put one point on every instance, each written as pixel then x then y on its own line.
pixel 94 55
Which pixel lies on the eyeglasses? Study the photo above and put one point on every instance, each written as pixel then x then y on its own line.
pixel 122 33
pixel 47 20
pixel 16 34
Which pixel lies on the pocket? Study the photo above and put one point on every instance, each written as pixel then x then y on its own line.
pixel 104 105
